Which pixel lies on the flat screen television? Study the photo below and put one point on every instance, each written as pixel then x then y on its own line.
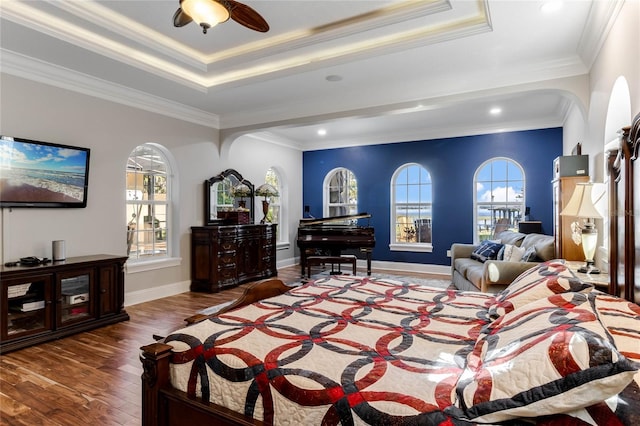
pixel 42 174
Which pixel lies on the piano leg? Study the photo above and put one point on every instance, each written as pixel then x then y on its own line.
pixel 368 252
pixel 303 262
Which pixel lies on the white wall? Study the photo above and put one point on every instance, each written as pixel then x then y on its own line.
pixel 37 111
pixel 252 157
pixel 619 56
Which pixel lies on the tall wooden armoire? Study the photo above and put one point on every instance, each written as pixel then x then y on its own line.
pixel 568 171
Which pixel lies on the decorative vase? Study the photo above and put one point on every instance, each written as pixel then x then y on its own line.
pixel 265 210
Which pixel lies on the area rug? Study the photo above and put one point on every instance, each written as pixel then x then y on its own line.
pixel 432 282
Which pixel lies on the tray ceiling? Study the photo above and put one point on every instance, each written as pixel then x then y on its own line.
pixel 358 68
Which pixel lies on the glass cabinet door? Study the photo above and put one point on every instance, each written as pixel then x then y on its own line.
pixel 27 303
pixel 76 296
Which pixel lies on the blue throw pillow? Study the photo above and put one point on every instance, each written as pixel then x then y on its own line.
pixel 486 250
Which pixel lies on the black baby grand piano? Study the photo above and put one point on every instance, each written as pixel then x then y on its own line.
pixel 327 234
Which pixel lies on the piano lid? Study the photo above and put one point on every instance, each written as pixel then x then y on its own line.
pixel 323 220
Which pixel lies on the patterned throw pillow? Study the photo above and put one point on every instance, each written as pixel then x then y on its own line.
pixel 510 253
pixel 486 250
pixel 545 279
pixel 548 357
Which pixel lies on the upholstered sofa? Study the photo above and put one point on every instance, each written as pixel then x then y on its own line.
pixel 472 272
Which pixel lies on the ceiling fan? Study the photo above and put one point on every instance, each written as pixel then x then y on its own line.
pixel 208 13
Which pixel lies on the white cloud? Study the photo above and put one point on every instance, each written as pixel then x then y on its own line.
pixel 499 195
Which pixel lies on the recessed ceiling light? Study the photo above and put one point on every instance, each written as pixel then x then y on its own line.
pixel 495 111
pixel 322 132
pixel 333 77
pixel 551 6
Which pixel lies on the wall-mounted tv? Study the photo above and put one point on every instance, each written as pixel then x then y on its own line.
pixel 42 174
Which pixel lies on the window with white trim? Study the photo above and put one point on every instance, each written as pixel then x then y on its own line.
pixel 411 209
pixel 340 193
pixel 275 209
pixel 148 200
pixel 499 197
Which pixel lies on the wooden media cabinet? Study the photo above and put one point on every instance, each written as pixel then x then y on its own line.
pixel 53 300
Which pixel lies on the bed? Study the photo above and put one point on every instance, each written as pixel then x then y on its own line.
pixel 548 350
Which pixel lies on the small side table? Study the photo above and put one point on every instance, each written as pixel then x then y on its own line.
pixel 601 280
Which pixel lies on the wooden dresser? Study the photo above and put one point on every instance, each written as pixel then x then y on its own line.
pixel 227 255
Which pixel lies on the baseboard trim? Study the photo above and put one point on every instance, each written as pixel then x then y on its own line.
pixel 149 294
pixel 443 270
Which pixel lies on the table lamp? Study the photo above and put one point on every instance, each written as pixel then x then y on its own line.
pixel 581 206
pixel 266 190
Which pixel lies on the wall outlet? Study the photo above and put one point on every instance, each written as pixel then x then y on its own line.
pixel 448 253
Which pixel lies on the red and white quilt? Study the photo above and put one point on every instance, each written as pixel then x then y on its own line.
pixel 363 351
pixel 342 350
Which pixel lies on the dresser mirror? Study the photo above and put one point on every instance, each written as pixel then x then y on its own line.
pixel 219 196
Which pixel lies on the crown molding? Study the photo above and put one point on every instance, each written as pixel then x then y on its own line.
pixel 601 19
pixel 435 133
pixel 291 52
pixel 43 72
pixel 23 14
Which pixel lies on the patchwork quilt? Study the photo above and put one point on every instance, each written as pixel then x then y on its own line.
pixel 363 351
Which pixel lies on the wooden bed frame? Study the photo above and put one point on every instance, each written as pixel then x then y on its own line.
pixel 164 405
pixel 622 243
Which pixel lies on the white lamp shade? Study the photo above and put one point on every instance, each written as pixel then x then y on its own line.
pixel 581 204
pixel 208 12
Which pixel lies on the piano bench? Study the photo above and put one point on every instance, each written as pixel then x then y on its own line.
pixel 333 260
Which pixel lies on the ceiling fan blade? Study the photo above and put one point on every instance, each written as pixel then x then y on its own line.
pixel 244 15
pixel 180 18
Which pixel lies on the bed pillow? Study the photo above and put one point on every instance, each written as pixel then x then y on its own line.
pixel 486 250
pixel 622 320
pixel 545 279
pixel 547 357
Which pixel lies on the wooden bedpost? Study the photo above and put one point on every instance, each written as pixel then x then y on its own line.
pixel 155 363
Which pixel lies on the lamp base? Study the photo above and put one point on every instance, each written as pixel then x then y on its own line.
pixel 589 269
pixel 265 211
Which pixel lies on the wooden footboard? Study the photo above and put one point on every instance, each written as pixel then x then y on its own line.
pixel 260 290
pixel 163 405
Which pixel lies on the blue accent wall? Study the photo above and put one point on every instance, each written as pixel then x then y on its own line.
pixel 452 163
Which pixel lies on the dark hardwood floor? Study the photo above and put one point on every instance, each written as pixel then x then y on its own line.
pixel 93 378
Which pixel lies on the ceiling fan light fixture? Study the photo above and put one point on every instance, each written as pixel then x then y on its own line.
pixel 206 13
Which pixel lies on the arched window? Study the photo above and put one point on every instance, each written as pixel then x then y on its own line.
pixel 148 198
pixel 274 214
pixel 340 193
pixel 411 209
pixel 499 197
